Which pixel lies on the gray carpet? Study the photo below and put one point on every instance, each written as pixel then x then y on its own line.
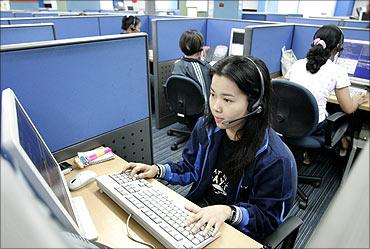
pixel 328 167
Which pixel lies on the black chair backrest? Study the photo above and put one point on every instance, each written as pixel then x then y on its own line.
pixel 184 96
pixel 294 109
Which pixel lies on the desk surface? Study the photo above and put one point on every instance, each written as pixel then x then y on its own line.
pixel 333 99
pixel 110 219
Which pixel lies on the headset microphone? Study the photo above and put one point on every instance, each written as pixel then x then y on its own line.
pixel 256 111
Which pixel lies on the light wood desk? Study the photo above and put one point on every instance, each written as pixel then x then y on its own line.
pixel 365 106
pixel 110 219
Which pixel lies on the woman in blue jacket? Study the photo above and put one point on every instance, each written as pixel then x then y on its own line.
pixel 241 171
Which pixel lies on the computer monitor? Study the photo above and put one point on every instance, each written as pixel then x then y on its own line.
pixel 236 45
pixel 356 59
pixel 20 138
pixel 131 8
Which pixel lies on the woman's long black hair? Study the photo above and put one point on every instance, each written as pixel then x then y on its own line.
pixel 246 76
pixel 318 55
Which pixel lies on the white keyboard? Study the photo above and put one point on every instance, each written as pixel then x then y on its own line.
pixel 356 90
pixel 84 221
pixel 153 210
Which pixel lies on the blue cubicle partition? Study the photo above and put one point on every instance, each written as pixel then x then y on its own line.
pixel 6 14
pixel 4 21
pixel 167 33
pixel 150 24
pixel 218 30
pixel 312 21
pixel 21 33
pixel 265 42
pixel 66 27
pixel 22 14
pixel 75 94
pixel 357 24
pixel 303 36
pixel 45 14
pixel 253 16
pixel 275 17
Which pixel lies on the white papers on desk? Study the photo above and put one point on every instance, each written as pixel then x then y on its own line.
pixel 349 64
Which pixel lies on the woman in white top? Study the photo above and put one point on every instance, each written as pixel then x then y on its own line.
pixel 320 75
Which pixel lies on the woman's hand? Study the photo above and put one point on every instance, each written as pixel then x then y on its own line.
pixel 212 216
pixel 143 170
pixel 361 98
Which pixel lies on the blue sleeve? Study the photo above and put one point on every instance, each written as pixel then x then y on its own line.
pixel 271 191
pixel 187 170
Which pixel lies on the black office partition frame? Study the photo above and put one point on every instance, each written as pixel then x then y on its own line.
pixel 85 92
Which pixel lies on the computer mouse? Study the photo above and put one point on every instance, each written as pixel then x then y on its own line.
pixel 81 179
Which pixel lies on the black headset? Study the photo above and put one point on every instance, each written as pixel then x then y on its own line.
pixel 132 26
pixel 257 106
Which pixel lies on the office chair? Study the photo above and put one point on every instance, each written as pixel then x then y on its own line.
pixel 185 97
pixel 295 117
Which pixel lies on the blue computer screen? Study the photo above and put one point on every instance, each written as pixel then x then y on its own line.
pixel 358 53
pixel 42 159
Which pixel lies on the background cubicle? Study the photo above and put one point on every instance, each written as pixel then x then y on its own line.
pixel 76 95
pixel 21 33
pixel 166 34
pixel 257 41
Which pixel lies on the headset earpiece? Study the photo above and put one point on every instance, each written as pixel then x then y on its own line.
pixel 257 107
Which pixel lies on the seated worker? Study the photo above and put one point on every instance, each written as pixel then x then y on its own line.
pixel 320 75
pixel 130 24
pixel 193 65
pixel 241 171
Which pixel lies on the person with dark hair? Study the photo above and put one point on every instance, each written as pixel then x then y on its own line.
pixel 241 171
pixel 319 73
pixel 130 24
pixel 193 65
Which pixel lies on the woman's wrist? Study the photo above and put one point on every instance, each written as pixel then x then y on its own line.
pixel 158 170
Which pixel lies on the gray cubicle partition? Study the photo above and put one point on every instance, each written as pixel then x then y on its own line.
pixel 84 92
pixel 21 33
pixel 166 35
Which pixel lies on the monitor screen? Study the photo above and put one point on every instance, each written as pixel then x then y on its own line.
pixel 356 59
pixel 22 141
pixel 236 46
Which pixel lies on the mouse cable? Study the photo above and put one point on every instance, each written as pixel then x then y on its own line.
pixel 132 238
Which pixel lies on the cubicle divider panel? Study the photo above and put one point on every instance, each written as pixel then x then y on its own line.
pixel 275 17
pixel 164 116
pixel 132 142
pixel 23 14
pixel 265 42
pixel 78 89
pixel 67 27
pixel 313 21
pixel 254 16
pixel 302 39
pixel 6 14
pixel 166 35
pixel 218 30
pixel 356 33
pixel 110 25
pixel 150 26
pixel 21 33
pixel 356 24
pixel 4 21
